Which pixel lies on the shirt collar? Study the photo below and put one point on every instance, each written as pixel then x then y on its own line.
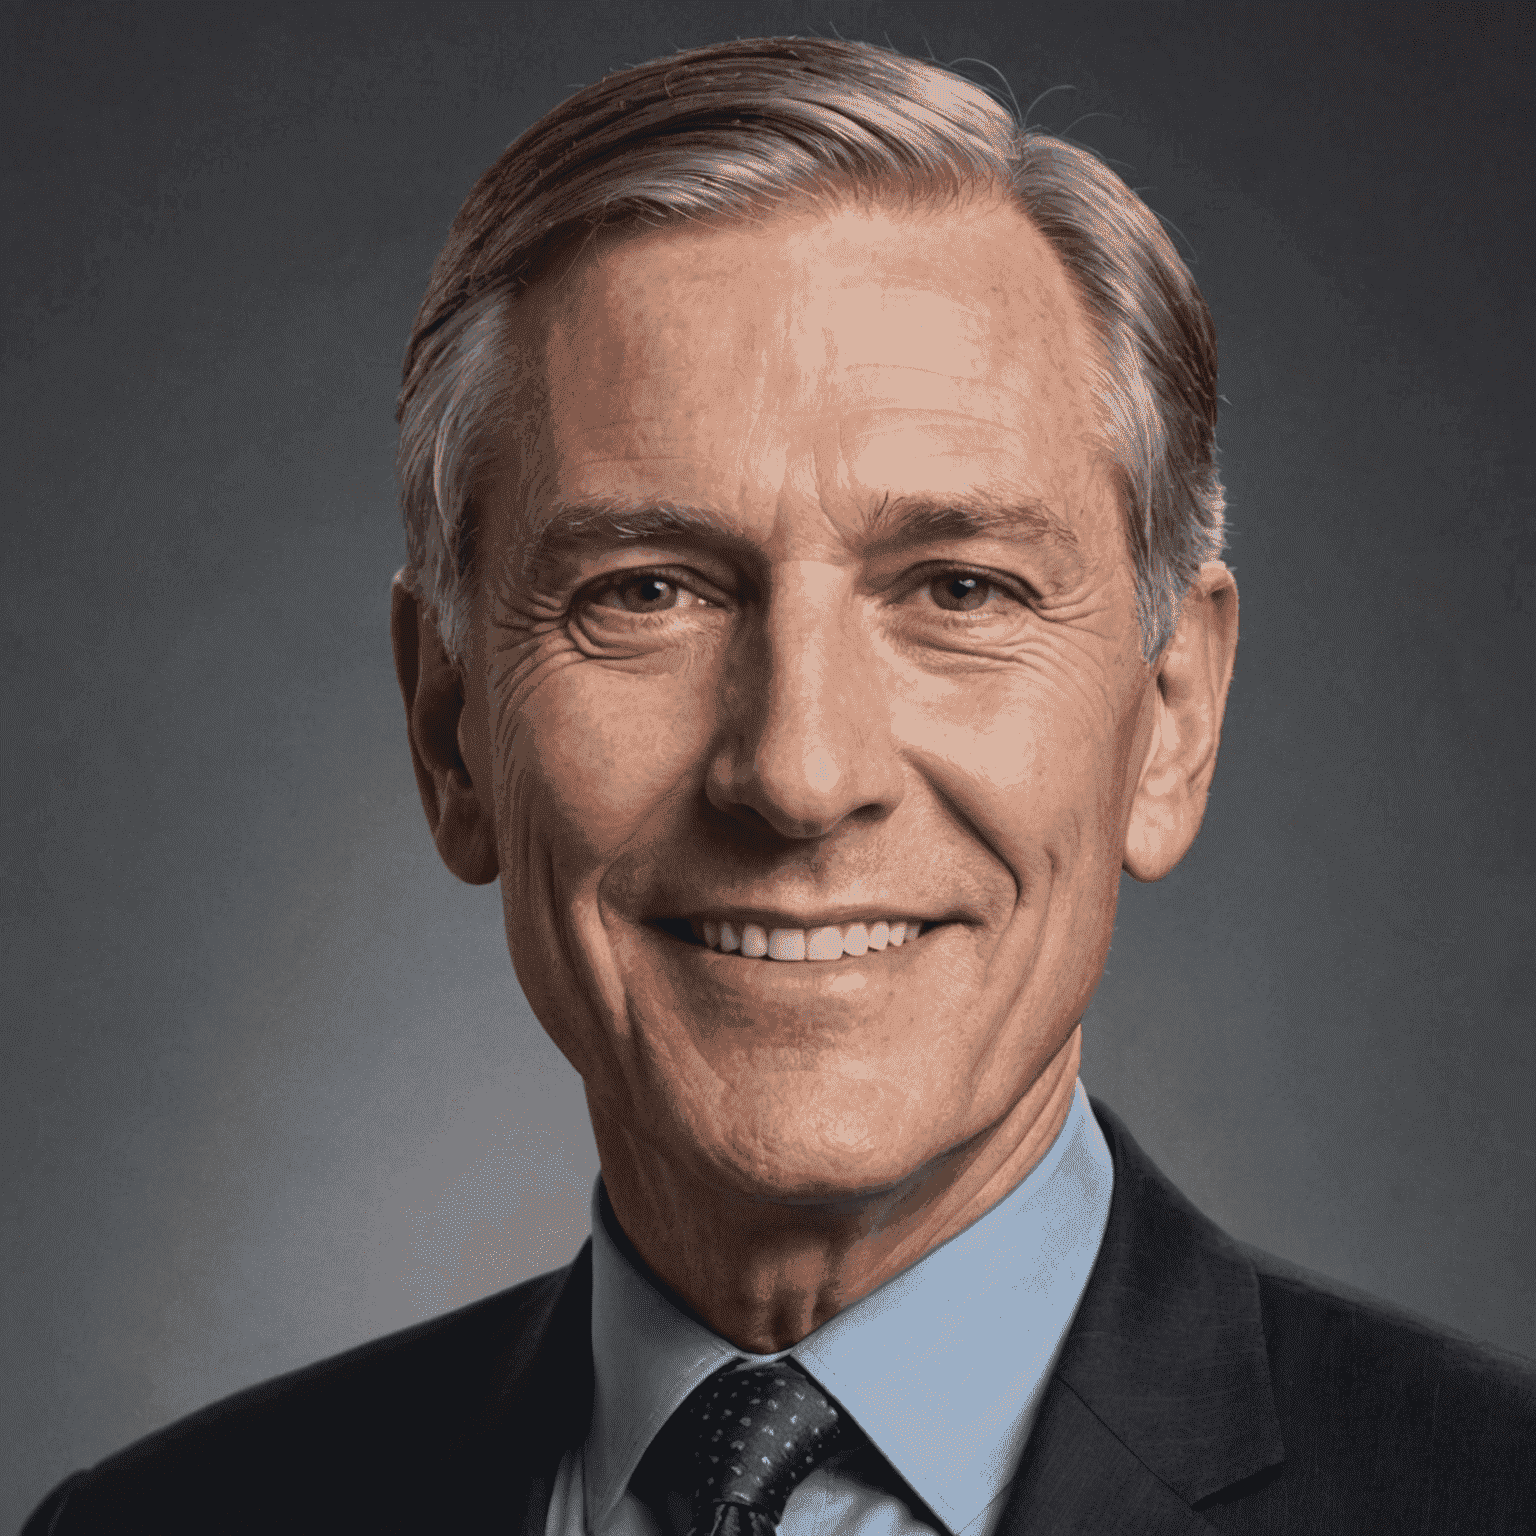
pixel 942 1367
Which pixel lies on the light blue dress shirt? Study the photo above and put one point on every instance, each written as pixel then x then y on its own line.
pixel 942 1367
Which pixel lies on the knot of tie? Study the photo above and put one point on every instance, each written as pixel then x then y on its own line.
pixel 752 1435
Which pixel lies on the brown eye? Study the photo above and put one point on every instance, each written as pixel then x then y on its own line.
pixel 641 594
pixel 960 593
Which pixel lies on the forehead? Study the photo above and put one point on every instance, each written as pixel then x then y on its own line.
pixel 831 356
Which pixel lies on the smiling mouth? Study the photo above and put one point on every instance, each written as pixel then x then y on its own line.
pixel 757 941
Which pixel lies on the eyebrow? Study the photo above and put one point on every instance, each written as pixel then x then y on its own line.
pixel 604 520
pixel 902 520
pixel 898 522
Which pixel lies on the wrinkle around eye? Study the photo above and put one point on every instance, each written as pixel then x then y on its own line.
pixel 604 632
pixel 943 639
pixel 521 666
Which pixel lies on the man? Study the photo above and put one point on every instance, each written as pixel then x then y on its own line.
pixel 813 605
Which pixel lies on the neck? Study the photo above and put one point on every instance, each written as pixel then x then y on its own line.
pixel 764 1274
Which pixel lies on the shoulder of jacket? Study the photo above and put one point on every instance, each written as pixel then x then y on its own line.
pixel 415 1394
pixel 1320 1325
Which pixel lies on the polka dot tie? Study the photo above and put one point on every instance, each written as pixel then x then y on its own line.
pixel 752 1436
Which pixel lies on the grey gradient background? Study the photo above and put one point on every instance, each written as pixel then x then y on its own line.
pixel 268 1086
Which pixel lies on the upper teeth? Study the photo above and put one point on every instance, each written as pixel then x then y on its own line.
pixel 806 943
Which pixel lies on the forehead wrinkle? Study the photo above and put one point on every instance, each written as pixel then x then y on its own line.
pixel 887 366
pixel 982 420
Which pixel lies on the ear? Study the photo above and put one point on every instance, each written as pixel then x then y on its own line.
pixel 449 753
pixel 1193 674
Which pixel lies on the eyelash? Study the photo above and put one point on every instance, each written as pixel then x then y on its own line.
pixel 1008 586
pixel 590 596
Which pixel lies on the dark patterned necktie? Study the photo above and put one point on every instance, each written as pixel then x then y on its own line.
pixel 748 1438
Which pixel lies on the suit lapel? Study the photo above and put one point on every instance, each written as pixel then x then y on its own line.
pixel 1079 1476
pixel 1161 1399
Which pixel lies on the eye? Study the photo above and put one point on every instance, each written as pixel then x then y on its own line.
pixel 645 592
pixel 961 591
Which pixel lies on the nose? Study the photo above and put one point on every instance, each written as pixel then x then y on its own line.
pixel 806 741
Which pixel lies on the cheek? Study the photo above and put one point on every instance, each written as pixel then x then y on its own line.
pixel 1030 751
pixel 593 751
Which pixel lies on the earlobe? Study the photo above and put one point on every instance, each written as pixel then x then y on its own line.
pixel 437 725
pixel 1190 698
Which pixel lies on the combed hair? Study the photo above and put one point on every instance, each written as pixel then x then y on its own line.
pixel 739 130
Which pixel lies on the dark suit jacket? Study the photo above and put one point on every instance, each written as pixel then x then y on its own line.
pixel 1203 1386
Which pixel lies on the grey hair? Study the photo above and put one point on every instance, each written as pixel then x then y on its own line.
pixel 738 130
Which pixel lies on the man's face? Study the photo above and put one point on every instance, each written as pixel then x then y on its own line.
pixel 811 607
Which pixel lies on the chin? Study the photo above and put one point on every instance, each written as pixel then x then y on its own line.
pixel 816 1136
